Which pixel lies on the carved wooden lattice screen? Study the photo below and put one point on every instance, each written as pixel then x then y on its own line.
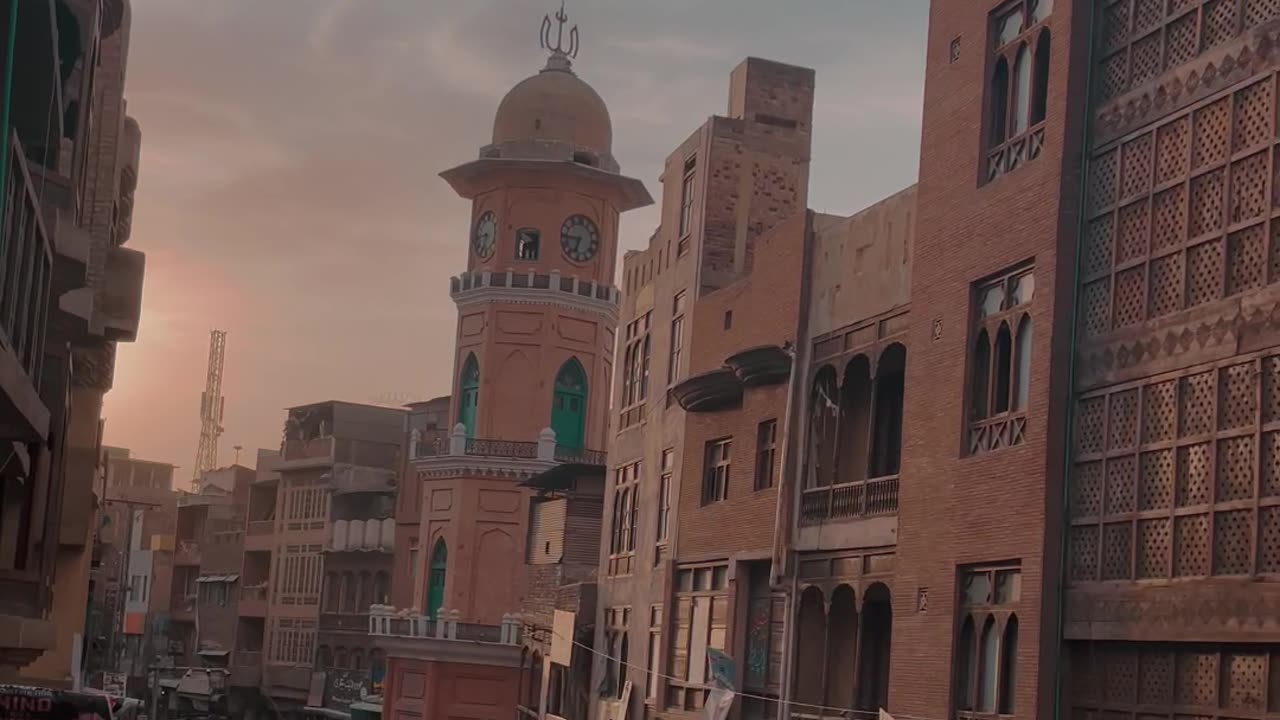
pixel 1179 475
pixel 1114 680
pixel 1184 213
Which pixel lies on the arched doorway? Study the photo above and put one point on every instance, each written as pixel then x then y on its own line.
pixel 569 404
pixel 877 634
pixel 435 580
pixel 469 394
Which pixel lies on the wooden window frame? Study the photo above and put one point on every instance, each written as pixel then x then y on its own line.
pixel 717 464
pixel 1012 149
pixel 989 429
pixel 766 453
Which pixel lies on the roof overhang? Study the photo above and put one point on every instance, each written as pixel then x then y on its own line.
pixel 473 178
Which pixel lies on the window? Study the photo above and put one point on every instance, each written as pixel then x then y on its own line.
pixel 728 319
pixel 701 621
pixel 527 241
pixel 686 197
pixel 1000 363
pixel 569 404
pixel 677 338
pixel 1018 85
pixel 616 621
pixel 293 641
pixel 766 449
pixel 626 512
pixel 655 650
pixel 715 473
pixel 664 493
pixel 635 370
pixel 987 644
pixel 436 576
pixel 469 394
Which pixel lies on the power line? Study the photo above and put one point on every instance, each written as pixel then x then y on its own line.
pixel 766 698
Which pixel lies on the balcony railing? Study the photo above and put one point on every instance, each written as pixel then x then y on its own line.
pixel 344 622
pixel 247 658
pixel 26 266
pixel 1015 152
pixel 545 448
pixel 254 593
pixel 384 620
pixel 567 454
pixel 995 433
pixel 261 527
pixel 553 282
pixel 315 448
pixel 864 498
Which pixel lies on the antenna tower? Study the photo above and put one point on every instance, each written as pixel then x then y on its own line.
pixel 211 401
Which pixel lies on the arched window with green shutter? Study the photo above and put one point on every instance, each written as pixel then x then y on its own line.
pixel 435 577
pixel 469 394
pixel 569 404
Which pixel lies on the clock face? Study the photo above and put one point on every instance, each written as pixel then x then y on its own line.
pixel 485 233
pixel 580 238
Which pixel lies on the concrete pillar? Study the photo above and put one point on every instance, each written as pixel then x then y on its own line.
pixel 458 440
pixel 547 445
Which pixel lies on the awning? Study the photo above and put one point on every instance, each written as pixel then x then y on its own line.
pixel 213 653
pixel 217 578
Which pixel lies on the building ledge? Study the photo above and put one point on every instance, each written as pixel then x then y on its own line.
pixel 401 634
pixel 461 456
pixel 120 309
pixel 23 639
pixel 472 178
pixel 761 366
pixel 717 389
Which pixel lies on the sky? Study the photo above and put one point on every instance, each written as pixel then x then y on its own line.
pixel 288 190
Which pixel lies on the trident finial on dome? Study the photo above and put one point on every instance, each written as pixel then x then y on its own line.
pixel 571 51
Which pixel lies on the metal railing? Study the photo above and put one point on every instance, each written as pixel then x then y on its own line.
pixel 502 448
pixel 567 454
pixel 26 266
pixel 384 620
pixel 864 498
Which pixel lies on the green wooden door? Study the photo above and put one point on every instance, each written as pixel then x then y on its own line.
pixel 435 586
pixel 569 404
pixel 469 395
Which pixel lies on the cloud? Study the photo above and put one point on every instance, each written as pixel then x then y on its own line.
pixel 289 190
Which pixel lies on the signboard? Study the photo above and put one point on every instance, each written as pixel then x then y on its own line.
pixel 343 687
pixel 562 638
pixel 113 683
pixel 22 702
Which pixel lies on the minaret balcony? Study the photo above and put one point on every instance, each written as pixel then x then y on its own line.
pixel 551 288
pixel 459 456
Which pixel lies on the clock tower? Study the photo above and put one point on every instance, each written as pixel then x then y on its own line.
pixel 537 315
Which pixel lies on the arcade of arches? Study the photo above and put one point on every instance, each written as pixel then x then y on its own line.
pixel 842 648
pixel 855 437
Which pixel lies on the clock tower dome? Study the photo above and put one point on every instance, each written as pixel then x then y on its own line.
pixel 537 315
pixel 537 307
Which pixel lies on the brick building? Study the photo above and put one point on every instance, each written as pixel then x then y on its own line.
pixel 72 291
pixel 705 369
pixel 537 318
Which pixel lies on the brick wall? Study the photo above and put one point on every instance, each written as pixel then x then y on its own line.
pixel 1003 505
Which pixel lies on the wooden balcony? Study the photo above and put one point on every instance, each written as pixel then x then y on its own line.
pixel 864 498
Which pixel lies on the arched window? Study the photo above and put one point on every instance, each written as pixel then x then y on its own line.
pixel 365 598
pixel 435 582
pixel 332 592
pixel 349 590
pixel 469 394
pixel 999 102
pixel 340 658
pixel 824 410
pixel 1022 90
pixel 324 657
pixel 1040 86
pixel 886 447
pixel 1008 664
pixel 1022 369
pixel 381 588
pixel 622 662
pixel 966 652
pixel 855 423
pixel 1002 370
pixel 569 404
pixel 357 659
pixel 988 652
pixel 981 376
